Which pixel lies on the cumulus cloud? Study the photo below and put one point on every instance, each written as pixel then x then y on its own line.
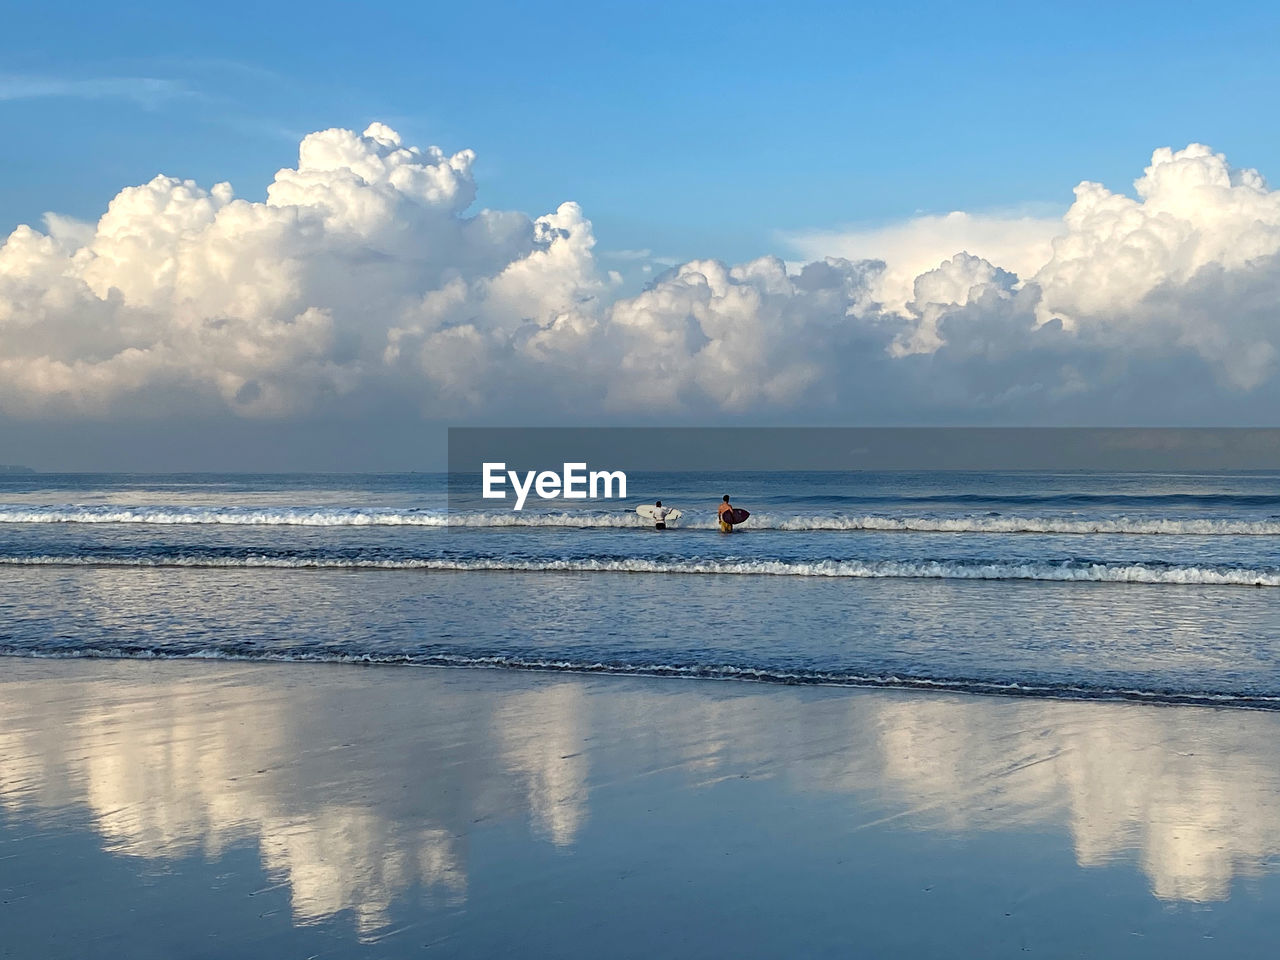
pixel 267 307
pixel 367 275
pixel 732 338
pixel 1020 243
pixel 1192 211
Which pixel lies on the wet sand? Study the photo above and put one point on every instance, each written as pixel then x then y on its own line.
pixel 207 809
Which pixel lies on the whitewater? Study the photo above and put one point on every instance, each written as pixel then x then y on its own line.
pixel 1062 571
pixel 308 517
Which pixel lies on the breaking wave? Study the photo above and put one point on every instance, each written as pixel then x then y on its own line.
pixel 1067 571
pixel 1055 525
pixel 234 516
pixel 624 518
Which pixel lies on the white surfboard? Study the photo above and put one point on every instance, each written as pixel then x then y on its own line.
pixel 646 510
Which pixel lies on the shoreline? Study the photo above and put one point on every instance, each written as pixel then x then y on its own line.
pixel 961 687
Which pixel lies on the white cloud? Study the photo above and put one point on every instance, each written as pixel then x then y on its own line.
pixel 366 276
pixel 953 283
pixel 1019 243
pixel 733 338
pixel 270 306
pixel 1192 211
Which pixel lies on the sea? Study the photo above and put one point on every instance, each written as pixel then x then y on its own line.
pixel 1155 587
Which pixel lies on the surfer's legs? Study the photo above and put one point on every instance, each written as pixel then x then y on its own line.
pixel 659 525
pixel 726 527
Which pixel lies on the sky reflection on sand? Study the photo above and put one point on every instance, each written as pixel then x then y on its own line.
pixel 357 785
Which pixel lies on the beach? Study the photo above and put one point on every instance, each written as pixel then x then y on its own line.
pixel 156 809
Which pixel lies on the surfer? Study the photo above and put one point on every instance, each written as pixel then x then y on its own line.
pixel 660 514
pixel 726 516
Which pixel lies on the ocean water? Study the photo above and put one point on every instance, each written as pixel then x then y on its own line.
pixel 1144 586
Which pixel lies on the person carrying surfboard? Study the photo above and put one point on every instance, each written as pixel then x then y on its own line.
pixel 660 514
pixel 729 515
pixel 726 516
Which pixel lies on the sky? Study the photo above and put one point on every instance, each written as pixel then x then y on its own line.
pixel 675 213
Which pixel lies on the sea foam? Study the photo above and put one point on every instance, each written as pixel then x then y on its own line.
pixel 1055 571
pixel 885 523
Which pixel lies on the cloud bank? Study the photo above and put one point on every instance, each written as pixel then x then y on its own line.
pixel 367 278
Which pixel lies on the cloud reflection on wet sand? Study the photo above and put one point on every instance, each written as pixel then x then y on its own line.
pixel 358 786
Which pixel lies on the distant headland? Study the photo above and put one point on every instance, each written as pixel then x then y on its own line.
pixel 12 468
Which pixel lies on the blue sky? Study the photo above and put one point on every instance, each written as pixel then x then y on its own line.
pixel 704 129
